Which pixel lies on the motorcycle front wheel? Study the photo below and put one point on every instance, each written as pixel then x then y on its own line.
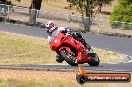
pixel 70 59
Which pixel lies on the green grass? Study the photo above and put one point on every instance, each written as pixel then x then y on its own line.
pixel 17 49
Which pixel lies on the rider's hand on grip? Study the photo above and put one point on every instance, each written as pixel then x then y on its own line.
pixel 64 32
pixel 49 38
pixel 68 34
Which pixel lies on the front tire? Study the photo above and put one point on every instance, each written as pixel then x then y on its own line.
pixel 59 59
pixel 71 60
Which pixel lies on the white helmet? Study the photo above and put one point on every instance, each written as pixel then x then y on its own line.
pixel 50 26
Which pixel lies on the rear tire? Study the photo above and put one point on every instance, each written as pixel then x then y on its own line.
pixel 94 59
pixel 67 58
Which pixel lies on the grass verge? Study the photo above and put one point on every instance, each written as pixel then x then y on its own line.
pixel 29 78
pixel 17 49
pixel 24 49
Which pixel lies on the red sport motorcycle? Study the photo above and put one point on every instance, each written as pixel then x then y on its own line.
pixel 73 51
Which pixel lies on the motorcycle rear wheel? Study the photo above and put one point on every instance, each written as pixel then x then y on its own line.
pixel 94 59
pixel 67 57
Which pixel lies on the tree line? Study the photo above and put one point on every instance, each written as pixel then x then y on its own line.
pixel 89 8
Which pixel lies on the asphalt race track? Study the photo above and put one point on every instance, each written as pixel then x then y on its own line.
pixel 111 43
pixel 117 44
pixel 121 67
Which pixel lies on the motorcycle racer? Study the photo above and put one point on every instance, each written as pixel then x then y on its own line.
pixel 53 30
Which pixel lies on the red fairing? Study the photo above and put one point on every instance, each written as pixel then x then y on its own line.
pixel 62 41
